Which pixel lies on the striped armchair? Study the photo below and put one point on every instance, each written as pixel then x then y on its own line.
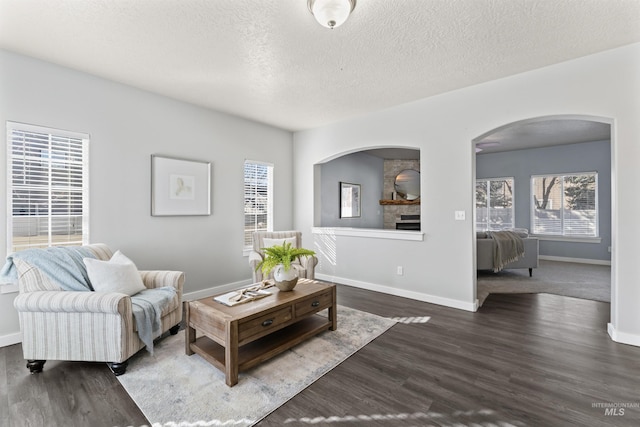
pixel 85 326
pixel 262 239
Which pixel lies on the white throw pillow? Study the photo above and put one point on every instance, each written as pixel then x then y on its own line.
pixel 279 242
pixel 119 274
pixel 521 232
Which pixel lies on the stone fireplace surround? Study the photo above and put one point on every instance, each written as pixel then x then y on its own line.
pixel 393 213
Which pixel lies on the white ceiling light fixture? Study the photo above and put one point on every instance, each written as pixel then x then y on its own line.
pixel 331 13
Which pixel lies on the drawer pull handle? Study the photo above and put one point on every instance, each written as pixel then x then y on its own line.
pixel 267 322
pixel 315 303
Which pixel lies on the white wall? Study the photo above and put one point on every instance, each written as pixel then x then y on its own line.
pixel 127 126
pixel 441 268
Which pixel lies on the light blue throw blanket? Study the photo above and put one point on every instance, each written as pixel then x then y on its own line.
pixel 147 310
pixel 61 264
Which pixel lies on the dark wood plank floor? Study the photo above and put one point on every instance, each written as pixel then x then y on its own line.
pixel 522 360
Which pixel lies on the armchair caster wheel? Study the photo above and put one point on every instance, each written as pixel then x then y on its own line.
pixel 118 368
pixel 35 366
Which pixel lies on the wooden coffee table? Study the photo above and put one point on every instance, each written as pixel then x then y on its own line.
pixel 237 338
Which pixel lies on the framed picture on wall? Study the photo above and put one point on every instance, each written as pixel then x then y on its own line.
pixel 349 200
pixel 180 186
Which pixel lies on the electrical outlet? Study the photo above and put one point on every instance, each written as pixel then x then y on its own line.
pixel 400 270
pixel 460 215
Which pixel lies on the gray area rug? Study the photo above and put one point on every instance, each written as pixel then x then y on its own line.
pixel 172 388
pixel 586 281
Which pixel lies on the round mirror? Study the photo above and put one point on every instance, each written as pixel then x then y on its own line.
pixel 407 184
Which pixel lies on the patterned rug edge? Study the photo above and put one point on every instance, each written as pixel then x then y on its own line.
pixel 156 420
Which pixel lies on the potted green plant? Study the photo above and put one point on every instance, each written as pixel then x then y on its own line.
pixel 279 258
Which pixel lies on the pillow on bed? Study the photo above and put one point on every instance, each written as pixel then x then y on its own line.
pixel 119 274
pixel 521 232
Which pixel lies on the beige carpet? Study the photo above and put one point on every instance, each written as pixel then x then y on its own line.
pixel 173 389
pixel 584 281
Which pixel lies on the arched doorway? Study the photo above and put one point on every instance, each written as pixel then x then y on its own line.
pixel 560 145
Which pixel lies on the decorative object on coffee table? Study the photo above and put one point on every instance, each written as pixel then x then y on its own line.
pixel 279 258
pixel 305 266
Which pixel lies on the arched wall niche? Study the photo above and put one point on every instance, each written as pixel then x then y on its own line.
pixel 373 169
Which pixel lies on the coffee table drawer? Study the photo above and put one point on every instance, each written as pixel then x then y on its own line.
pixel 264 324
pixel 313 304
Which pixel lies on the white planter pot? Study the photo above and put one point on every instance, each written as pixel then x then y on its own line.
pixel 281 275
pixel 285 280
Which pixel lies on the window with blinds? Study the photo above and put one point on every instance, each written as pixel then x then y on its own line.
pixel 47 187
pixel 565 205
pixel 494 204
pixel 258 199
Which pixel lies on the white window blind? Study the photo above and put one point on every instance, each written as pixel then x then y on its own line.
pixel 565 205
pixel 494 204
pixel 258 199
pixel 47 187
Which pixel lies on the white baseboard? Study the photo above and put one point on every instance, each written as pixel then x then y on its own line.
pixel 203 293
pixel 10 339
pixel 576 260
pixel 447 302
pixel 622 337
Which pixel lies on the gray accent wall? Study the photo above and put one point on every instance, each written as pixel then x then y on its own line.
pixel 562 159
pixel 355 168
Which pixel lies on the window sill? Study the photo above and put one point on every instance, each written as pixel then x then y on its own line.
pixel 571 239
pixel 370 233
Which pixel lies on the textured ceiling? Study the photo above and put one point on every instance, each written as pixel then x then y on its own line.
pixel 269 61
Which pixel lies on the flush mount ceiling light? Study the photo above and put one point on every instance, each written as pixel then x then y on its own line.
pixel 331 13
